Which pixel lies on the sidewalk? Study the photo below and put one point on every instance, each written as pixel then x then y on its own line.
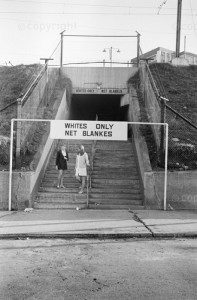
pixel 97 224
pixel 169 223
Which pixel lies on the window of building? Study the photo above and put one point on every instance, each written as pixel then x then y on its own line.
pixel 168 57
pixel 162 56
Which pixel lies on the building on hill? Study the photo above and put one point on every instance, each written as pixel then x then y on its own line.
pixel 163 55
pixel 190 57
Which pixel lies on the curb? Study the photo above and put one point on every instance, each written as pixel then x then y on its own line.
pixel 175 235
pixel 98 236
pixel 75 236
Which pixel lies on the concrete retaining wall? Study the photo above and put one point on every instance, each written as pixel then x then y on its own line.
pixel 26 184
pixel 181 189
pixel 151 103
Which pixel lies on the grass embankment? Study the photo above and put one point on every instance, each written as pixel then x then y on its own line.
pixel 179 85
pixel 13 82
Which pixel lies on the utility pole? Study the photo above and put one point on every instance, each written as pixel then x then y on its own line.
pixel 138 49
pixel 61 49
pixel 178 28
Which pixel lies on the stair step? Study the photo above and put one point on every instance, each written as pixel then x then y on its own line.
pixel 54 180
pixel 52 190
pixel 103 170
pixel 100 201
pixel 111 149
pixel 114 197
pixel 114 167
pixel 115 181
pixel 115 155
pixel 134 175
pixel 53 184
pixel 116 189
pixel 48 195
pixel 67 175
pixel 57 205
pixel 119 207
pixel 55 172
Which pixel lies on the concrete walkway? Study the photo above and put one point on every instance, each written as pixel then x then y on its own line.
pixel 97 224
pixel 169 223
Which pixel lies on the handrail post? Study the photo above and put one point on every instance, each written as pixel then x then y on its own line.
pixel 162 131
pixel 10 173
pixel 87 204
pixel 18 132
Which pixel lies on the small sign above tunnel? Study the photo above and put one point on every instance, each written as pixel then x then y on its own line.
pixel 104 91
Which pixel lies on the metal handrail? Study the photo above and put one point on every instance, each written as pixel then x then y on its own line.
pixel 36 80
pixel 153 83
pixel 181 116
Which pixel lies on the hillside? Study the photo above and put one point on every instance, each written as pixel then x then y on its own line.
pixel 13 82
pixel 179 85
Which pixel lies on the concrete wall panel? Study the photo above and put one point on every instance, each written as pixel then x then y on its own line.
pixel 88 77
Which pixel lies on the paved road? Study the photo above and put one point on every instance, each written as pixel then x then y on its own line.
pixel 98 269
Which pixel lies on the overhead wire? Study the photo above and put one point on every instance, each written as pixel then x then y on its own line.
pixel 90 13
pixel 82 4
pixel 161 6
pixel 194 25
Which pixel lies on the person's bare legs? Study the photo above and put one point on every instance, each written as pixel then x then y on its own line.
pixel 60 178
pixel 79 180
pixel 83 181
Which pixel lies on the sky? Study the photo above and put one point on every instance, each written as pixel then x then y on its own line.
pixel 30 30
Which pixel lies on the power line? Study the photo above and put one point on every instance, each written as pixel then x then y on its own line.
pixel 91 13
pixel 80 4
pixel 96 5
pixel 194 25
pixel 161 6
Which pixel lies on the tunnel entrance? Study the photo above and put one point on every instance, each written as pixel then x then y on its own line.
pixel 105 107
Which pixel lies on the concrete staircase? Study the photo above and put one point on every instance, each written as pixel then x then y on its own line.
pixel 49 197
pixel 115 178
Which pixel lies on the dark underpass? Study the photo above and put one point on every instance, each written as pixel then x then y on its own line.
pixel 105 107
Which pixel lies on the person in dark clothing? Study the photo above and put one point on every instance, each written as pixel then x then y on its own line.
pixel 61 165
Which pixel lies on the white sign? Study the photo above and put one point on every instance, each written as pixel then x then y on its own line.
pixel 99 91
pixel 89 130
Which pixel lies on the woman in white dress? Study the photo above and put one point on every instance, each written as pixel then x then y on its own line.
pixel 82 162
